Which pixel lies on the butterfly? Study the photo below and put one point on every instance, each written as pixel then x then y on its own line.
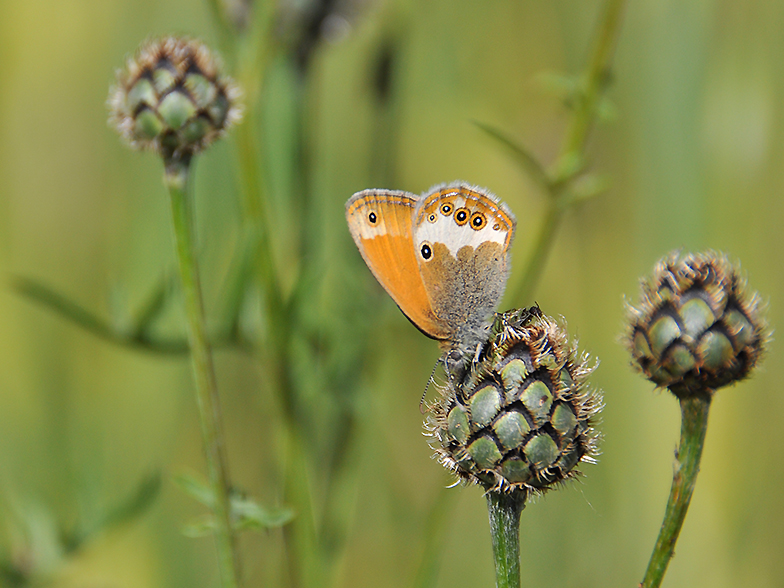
pixel 443 256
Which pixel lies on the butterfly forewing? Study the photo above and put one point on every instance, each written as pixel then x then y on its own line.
pixel 381 223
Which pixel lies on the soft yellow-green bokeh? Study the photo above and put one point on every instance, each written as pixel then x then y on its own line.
pixel 694 152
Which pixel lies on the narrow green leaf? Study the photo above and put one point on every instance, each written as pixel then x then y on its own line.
pixel 11 576
pixel 245 512
pixel 236 285
pixel 154 305
pixel 125 511
pixel 200 527
pixel 589 187
pixel 526 159
pixel 137 503
pixel 55 301
pixel 37 531
pixel 250 515
pixel 196 488
pixel 80 316
pixel 606 111
pixel 561 85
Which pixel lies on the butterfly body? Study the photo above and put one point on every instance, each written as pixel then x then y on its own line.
pixel 443 257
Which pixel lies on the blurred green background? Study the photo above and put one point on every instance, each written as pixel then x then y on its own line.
pixel 694 149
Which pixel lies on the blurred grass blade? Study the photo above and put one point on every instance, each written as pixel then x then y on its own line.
pixel 526 159
pixel 250 515
pixel 125 511
pixel 237 286
pixel 196 488
pixel 90 322
pixel 203 526
pixel 36 532
pixel 606 111
pixel 570 91
pixel 589 187
pixel 562 86
pixel 11 575
pixel 154 305
pixel 55 301
pixel 220 19
pixel 137 336
pixel 137 503
pixel 245 512
pixel 436 530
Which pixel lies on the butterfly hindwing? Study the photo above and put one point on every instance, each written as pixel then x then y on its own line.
pixel 462 237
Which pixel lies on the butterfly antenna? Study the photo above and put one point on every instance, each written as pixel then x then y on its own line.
pixel 430 380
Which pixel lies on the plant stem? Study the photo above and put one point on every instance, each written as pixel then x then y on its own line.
pixel 438 518
pixel 694 424
pixel 223 26
pixel 596 76
pixel 256 213
pixel 176 179
pixel 304 556
pixel 570 162
pixel 542 246
pixel 504 510
pixel 299 537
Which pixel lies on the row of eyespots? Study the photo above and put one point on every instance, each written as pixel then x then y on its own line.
pixel 462 216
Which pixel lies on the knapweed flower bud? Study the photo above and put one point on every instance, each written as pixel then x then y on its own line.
pixel 522 417
pixel 698 326
pixel 171 97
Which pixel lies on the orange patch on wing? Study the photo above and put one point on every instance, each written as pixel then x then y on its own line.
pixel 393 262
pixel 390 253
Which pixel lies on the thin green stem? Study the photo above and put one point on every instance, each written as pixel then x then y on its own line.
pixel 302 549
pixel 223 26
pixel 595 77
pixel 298 536
pixel 694 424
pixel 504 510
pixel 254 55
pixel 256 212
pixel 542 246
pixel 525 158
pixel 569 165
pixel 279 310
pixel 176 179
pixel 436 526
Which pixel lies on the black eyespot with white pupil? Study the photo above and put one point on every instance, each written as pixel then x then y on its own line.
pixel 372 218
pixel 426 251
pixel 461 216
pixel 446 209
pixel 478 221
